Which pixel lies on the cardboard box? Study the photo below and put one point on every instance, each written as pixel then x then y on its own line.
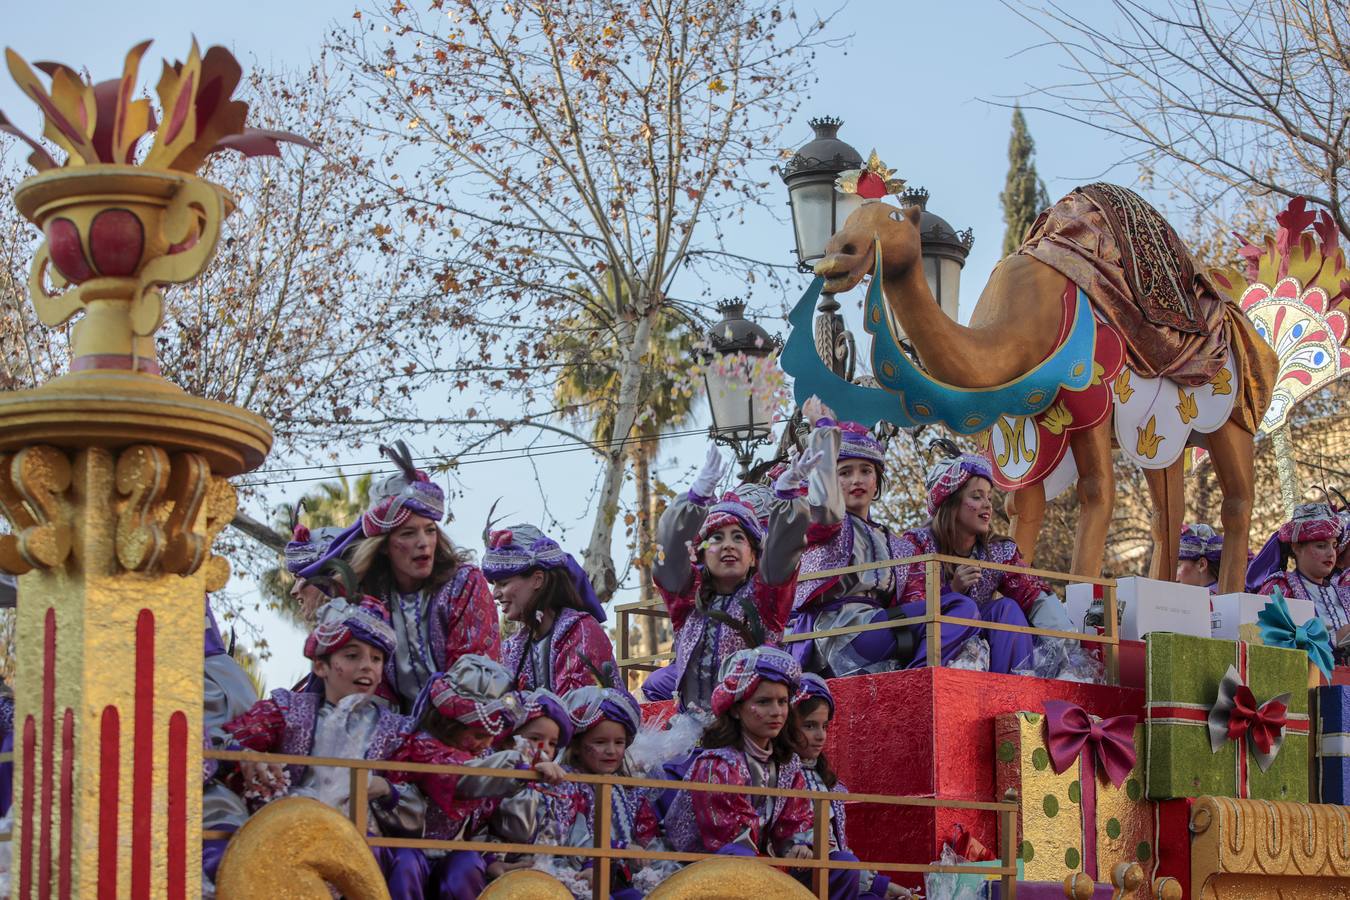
pixel 1231 611
pixel 1147 606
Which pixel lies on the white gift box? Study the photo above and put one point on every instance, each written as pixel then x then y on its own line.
pixel 1231 611
pixel 1148 606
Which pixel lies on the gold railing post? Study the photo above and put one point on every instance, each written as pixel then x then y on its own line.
pixel 1008 829
pixel 604 822
pixel 932 586
pixel 820 878
pixel 359 798
pixel 1112 659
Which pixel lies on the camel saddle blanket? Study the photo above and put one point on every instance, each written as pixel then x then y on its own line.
pixel 1141 280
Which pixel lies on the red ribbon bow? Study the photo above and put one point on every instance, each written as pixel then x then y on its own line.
pixel 1110 742
pixel 1264 723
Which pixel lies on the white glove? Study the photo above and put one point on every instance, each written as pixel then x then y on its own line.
pixel 791 481
pixel 714 470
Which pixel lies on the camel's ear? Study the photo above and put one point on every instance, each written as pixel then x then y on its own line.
pixel 914 213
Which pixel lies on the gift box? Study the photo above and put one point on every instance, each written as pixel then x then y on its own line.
pixel 1147 605
pixel 1225 718
pixel 1235 615
pixel 1082 802
pixel 1333 744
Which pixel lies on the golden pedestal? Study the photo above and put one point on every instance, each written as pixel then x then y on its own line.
pixel 114 483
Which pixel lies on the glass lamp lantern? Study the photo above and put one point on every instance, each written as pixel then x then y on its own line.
pixel 818 210
pixel 944 252
pixel 742 417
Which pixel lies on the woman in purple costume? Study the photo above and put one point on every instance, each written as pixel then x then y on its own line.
pixel 1198 555
pixel 961 510
pixel 815 711
pixel 753 741
pixel 440 605
pixel 842 534
pixel 1311 539
pixel 719 563
pixel 541 587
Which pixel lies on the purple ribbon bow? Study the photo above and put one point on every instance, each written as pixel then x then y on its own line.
pixel 1074 736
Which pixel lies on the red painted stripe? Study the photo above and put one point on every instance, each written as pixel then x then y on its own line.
pixel 142 753
pixel 176 842
pixel 1176 712
pixel 109 771
pixel 44 885
pixel 29 802
pixel 63 871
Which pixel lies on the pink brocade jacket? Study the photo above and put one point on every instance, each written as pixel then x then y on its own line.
pixel 1024 589
pixel 707 821
pixel 574 634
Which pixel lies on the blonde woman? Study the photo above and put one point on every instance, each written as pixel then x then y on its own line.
pixel 439 604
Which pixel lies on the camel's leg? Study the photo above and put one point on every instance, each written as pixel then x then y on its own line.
pixel 1231 449
pixel 1167 489
pixel 1096 496
pixel 1026 510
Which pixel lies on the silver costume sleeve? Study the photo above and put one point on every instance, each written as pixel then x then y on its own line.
pixel 678 526
pixel 402 813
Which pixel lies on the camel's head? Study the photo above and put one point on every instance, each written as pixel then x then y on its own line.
pixel 849 253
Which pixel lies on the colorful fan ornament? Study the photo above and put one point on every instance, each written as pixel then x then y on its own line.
pixel 1295 291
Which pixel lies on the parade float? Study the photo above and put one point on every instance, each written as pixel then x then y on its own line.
pixel 1201 768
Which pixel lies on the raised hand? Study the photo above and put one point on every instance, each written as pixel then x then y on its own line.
pixel 792 480
pixel 714 470
pixel 814 409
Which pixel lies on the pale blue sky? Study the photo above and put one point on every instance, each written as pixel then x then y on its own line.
pixel 913 83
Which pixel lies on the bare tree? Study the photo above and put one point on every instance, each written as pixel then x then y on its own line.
pixel 542 153
pixel 1217 99
pixel 302 315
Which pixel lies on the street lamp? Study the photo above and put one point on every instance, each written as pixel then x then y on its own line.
pixel 818 211
pixel 733 369
pixel 944 252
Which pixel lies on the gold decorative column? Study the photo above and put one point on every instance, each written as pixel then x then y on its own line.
pixel 113 481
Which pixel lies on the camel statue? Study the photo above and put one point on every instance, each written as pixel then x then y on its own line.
pixel 1013 329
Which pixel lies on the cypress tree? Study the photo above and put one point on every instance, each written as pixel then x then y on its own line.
pixel 1023 194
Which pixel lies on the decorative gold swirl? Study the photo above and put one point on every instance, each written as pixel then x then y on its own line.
pixel 735 876
pixel 33 484
pixel 293 849
pixel 526 884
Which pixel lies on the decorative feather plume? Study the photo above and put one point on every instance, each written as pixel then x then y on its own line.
pixel 489 522
pixel 751 630
pixel 295 513
pixel 337 578
pixel 402 457
pixel 946 445
pixel 605 676
pixel 757 474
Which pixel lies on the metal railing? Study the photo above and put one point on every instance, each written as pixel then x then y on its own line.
pixel 604 854
pixel 933 618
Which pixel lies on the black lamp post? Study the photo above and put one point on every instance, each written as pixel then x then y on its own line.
pixel 818 211
pixel 742 418
pixel 944 252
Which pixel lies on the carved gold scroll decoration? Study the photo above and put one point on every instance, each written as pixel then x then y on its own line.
pixel 1261 848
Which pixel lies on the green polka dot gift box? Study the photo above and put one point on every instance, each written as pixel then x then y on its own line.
pixel 1082 803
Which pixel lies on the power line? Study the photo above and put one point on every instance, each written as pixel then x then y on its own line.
pixel 486 456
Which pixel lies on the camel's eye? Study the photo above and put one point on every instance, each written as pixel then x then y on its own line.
pixel 898 215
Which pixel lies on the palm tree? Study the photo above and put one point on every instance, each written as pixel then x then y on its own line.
pixel 587 391
pixel 330 503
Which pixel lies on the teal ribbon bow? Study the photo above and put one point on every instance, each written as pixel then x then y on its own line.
pixel 1278 630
